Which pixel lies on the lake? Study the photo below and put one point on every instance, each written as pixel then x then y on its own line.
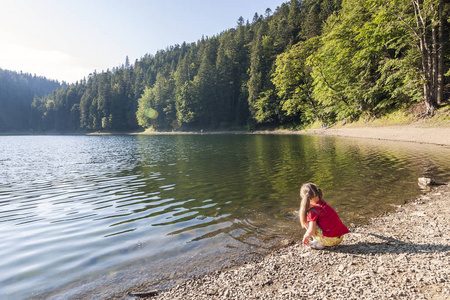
pixel 94 216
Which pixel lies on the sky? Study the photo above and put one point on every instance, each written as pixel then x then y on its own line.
pixel 65 40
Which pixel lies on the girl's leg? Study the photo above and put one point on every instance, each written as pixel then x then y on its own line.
pixel 325 240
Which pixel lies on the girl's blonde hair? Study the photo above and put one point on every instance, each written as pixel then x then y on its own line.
pixel 307 192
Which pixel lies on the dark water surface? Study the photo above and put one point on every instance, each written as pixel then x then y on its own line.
pixel 91 216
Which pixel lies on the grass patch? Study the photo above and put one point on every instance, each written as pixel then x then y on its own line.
pixel 150 130
pixel 316 125
pixel 441 118
pixel 400 117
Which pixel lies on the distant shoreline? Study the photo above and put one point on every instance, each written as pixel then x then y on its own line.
pixel 403 133
pixel 416 133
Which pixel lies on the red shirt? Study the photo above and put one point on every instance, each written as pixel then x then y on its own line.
pixel 327 219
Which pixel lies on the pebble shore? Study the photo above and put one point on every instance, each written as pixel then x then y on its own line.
pixel 400 255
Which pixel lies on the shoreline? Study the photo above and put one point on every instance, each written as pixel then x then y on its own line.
pixel 402 254
pixel 415 133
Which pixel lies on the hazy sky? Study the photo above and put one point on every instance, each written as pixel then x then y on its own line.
pixel 68 39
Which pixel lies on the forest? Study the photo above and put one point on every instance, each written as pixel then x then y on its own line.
pixel 308 61
pixel 17 92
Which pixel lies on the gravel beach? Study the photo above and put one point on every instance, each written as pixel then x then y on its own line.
pixel 400 255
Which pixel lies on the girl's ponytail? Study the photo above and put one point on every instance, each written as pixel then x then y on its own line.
pixel 307 191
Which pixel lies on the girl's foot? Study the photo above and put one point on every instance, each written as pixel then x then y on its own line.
pixel 314 244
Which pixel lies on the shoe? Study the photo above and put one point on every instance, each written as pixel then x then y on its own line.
pixel 314 244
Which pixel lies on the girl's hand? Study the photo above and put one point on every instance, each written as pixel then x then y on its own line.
pixel 310 232
pixel 305 240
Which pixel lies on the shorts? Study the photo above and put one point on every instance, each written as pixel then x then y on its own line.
pixel 326 240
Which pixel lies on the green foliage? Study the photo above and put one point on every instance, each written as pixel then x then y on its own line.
pixel 145 113
pixel 361 67
pixel 293 81
pixel 156 107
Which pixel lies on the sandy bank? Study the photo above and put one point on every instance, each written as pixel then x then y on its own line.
pixel 405 133
pixel 401 255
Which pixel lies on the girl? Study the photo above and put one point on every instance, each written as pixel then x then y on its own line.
pixel 320 220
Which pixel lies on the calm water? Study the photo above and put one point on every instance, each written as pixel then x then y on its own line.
pixel 91 216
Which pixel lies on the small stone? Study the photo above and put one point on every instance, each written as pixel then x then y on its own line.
pixel 287 242
pixel 226 294
pixel 426 181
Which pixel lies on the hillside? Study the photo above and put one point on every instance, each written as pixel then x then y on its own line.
pixel 17 91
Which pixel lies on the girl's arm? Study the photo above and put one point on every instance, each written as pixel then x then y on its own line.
pixel 312 227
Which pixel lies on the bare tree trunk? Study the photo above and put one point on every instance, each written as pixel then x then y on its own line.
pixel 430 75
pixel 429 57
pixel 430 108
pixel 440 56
pixel 427 69
pixel 434 62
pixel 429 95
pixel 425 85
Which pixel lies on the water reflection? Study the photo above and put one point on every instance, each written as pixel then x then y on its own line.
pixel 89 216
